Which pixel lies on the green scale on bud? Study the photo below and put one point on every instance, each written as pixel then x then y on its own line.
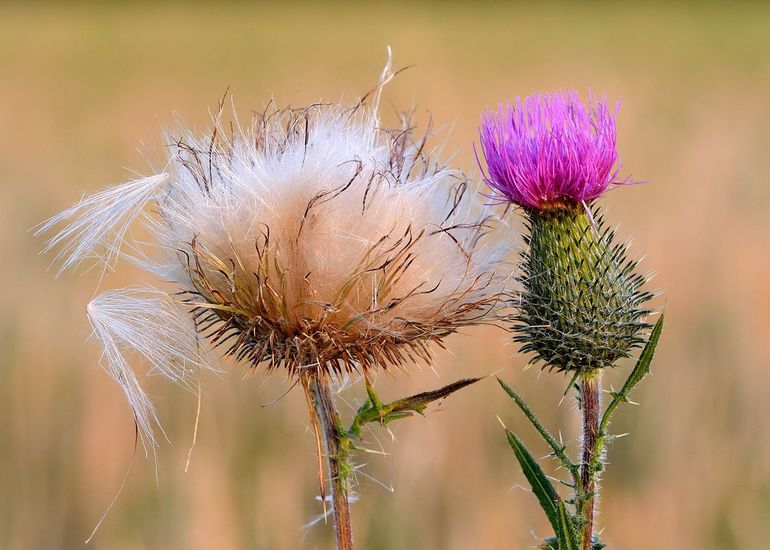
pixel 581 307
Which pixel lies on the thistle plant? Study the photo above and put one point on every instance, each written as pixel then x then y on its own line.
pixel 310 242
pixel 581 306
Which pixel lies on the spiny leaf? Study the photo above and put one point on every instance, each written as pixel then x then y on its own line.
pixel 637 374
pixel 541 485
pixel 558 450
pixel 567 536
pixel 374 400
pixel 645 359
pixel 373 410
pixel 420 401
pixel 552 543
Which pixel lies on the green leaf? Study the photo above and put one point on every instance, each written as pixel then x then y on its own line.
pixel 552 543
pixel 641 369
pixel 541 485
pixel 558 450
pixel 420 401
pixel 374 401
pixel 568 539
pixel 374 410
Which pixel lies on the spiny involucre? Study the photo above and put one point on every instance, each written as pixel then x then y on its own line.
pixel 581 306
pixel 310 240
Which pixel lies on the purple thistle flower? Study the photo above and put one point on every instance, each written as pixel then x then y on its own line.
pixel 550 150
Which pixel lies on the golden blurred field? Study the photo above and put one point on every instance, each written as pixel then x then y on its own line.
pixel 82 87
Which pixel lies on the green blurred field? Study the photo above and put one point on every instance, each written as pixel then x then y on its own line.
pixel 82 87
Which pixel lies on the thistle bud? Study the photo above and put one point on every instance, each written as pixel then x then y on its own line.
pixel 581 306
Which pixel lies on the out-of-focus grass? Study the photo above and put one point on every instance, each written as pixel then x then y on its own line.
pixel 81 87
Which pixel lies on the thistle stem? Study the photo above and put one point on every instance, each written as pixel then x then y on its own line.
pixel 334 449
pixel 590 387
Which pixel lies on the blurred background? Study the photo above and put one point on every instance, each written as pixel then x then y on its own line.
pixel 84 91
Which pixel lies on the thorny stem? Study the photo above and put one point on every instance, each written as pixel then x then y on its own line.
pixel 590 387
pixel 335 449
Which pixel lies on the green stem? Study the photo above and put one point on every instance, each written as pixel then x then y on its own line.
pixel 335 449
pixel 590 404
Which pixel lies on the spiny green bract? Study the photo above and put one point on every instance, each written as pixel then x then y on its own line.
pixel 581 306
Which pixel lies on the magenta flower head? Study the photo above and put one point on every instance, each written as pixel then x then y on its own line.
pixel 550 150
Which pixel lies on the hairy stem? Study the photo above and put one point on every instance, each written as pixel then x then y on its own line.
pixel 590 387
pixel 335 449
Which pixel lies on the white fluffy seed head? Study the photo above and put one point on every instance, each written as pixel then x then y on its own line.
pixel 313 239
pixel 310 239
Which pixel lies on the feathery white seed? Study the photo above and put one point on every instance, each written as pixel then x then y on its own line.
pixel 150 322
pixel 97 225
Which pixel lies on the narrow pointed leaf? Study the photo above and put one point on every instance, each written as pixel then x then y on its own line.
pixel 567 537
pixel 558 450
pixel 641 369
pixel 541 485
pixel 373 397
pixel 373 410
pixel 418 402
pixel 552 543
